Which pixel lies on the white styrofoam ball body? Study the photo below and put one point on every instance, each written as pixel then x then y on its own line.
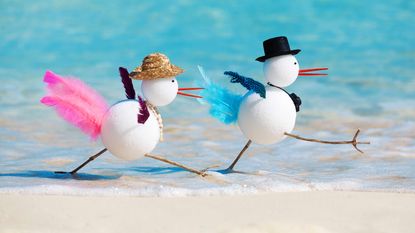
pixel 123 136
pixel 282 70
pixel 265 121
pixel 160 92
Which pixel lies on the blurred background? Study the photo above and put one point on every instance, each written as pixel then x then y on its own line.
pixel 367 45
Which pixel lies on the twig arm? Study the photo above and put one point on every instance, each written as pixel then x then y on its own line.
pixel 354 141
pixel 200 173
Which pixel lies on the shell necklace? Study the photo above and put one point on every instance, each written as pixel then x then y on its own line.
pixel 158 117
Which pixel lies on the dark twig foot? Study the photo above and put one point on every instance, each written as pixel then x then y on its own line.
pixel 230 170
pixel 61 172
pixel 67 173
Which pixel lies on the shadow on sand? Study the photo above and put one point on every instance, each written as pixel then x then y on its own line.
pixel 157 170
pixel 53 175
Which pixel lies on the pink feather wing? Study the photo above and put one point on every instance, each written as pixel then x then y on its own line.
pixel 75 102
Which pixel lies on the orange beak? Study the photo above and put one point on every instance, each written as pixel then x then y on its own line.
pixel 189 89
pixel 305 72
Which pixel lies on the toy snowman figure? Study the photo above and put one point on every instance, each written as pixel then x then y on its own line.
pixel 130 129
pixel 265 115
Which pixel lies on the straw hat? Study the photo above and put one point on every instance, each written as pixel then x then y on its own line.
pixel 155 66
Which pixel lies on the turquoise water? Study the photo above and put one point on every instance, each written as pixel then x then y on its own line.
pixel 368 46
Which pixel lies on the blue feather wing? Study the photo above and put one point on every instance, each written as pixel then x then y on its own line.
pixel 224 105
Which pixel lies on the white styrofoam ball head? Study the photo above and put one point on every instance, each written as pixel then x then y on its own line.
pixel 160 92
pixel 265 121
pixel 123 136
pixel 282 70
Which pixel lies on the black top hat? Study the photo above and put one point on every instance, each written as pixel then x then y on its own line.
pixel 275 47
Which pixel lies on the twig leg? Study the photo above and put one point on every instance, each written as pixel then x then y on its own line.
pixel 354 141
pixel 230 168
pixel 200 173
pixel 85 163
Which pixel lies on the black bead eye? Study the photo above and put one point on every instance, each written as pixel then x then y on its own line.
pixel 295 63
pixel 172 81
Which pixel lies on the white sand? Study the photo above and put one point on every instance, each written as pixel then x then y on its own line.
pixel 318 211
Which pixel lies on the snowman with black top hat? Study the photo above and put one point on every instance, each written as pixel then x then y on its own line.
pixel 266 114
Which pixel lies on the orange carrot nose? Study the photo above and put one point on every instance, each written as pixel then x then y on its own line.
pixel 189 89
pixel 305 72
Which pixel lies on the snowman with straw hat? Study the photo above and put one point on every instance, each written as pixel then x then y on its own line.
pixel 131 128
pixel 265 114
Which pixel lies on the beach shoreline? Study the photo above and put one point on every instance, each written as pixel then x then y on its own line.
pixel 311 211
